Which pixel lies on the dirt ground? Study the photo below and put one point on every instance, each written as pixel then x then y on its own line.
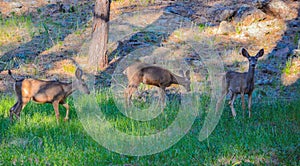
pixel 62 31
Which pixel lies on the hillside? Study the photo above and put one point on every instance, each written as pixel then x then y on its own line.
pixel 48 39
pixel 39 38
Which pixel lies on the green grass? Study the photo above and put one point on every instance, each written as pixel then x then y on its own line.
pixel 201 27
pixel 16 29
pixel 287 68
pixel 271 136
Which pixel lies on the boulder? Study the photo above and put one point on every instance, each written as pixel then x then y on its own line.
pixel 15 5
pixel 269 69
pixel 264 82
pixel 283 53
pixel 225 28
pixel 180 10
pixel 220 13
pixel 226 14
pixel 247 15
pixel 258 30
pixel 260 4
pixel 280 9
pixel 200 19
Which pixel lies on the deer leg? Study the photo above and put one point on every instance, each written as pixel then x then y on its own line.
pixel 231 106
pixel 162 95
pixel 55 106
pixel 12 110
pixel 249 103
pixel 17 110
pixel 243 103
pixel 66 105
pixel 231 97
pixel 128 94
pixel 21 106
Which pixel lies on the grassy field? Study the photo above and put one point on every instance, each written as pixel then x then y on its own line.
pixel 271 136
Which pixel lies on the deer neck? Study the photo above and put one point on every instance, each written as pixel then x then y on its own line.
pixel 178 80
pixel 250 75
pixel 69 88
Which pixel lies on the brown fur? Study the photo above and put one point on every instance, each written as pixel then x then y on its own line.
pixel 240 83
pixel 40 91
pixel 153 75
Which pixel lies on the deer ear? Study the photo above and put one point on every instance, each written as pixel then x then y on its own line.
pixel 125 71
pixel 245 53
pixel 78 73
pixel 260 53
pixel 187 74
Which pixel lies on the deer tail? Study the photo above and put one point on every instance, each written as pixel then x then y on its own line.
pixel 10 74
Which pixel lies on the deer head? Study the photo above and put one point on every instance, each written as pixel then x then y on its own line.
pixel 252 59
pixel 187 82
pixel 79 82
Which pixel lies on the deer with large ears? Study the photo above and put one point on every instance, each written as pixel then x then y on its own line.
pixel 41 91
pixel 240 83
pixel 153 75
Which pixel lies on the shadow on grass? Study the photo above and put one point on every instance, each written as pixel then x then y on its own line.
pixel 269 137
pixel 54 26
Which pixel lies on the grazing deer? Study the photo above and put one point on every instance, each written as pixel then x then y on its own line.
pixel 240 83
pixel 153 75
pixel 40 91
pixel 134 68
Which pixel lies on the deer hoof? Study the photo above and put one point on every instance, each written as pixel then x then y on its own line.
pixel 66 119
pixel 234 115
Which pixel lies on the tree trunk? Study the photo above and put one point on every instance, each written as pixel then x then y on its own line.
pixel 98 47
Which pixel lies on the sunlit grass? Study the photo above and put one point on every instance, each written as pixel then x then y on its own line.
pixel 16 29
pixel 270 136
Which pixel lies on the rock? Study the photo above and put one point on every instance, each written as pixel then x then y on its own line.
pixel 296 52
pixel 294 23
pixel 201 20
pixel 281 44
pixel 283 53
pixel 264 82
pixel 21 55
pixel 248 14
pixel 16 5
pixel 54 1
pixel 220 13
pixel 260 4
pixel 180 10
pixel 226 14
pixel 270 70
pixel 280 9
pixel 259 30
pixel 225 28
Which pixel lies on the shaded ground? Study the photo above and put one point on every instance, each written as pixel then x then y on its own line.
pixel 61 34
pixel 49 41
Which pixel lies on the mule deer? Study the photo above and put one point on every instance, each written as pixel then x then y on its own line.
pixel 41 91
pixel 153 75
pixel 134 68
pixel 240 83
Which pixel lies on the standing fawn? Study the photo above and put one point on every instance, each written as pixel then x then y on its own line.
pixel 153 75
pixel 240 83
pixel 40 91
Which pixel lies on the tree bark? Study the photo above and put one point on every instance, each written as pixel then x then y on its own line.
pixel 98 47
